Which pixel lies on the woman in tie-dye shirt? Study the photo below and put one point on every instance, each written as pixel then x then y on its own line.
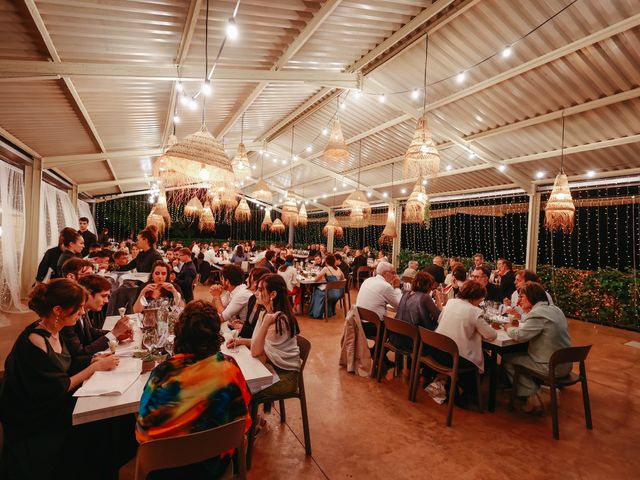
pixel 197 389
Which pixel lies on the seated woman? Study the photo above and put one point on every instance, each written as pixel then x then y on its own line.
pixel 547 330
pixel 290 275
pixel 158 286
pixel 459 276
pixel 461 320
pixel 418 308
pixel 330 273
pixel 196 389
pixel 239 255
pixel 35 401
pixel 253 308
pixel 382 257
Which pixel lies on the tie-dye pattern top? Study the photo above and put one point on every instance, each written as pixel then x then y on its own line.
pixel 184 395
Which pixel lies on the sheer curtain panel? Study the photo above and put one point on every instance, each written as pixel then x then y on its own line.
pixel 12 230
pixel 56 212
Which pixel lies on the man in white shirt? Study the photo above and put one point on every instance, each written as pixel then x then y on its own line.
pixel 379 291
pixel 232 282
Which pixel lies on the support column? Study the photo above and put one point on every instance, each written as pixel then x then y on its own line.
pixel 395 249
pixel 531 260
pixel 32 193
pixel 73 194
pixel 330 235
pixel 292 234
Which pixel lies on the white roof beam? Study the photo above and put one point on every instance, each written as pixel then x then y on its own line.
pixel 70 160
pixel 84 187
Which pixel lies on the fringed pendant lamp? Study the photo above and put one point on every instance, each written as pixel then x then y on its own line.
pixel 277 227
pixel 390 232
pixel 240 163
pixel 267 222
pixel 357 201
pixel 193 208
pixel 414 210
pixel 332 226
pixel 161 208
pixel 207 220
pixel 243 212
pixel 261 190
pixel 290 207
pixel 155 220
pixel 422 158
pixel 302 216
pixel 560 211
pixel 336 149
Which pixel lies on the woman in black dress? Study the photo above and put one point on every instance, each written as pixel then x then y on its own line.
pixel 35 400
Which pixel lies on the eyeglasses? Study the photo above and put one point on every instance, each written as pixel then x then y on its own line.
pixel 477 277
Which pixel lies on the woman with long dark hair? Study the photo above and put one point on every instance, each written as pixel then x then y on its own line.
pixel 158 286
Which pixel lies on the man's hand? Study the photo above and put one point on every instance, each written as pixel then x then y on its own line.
pixel 216 290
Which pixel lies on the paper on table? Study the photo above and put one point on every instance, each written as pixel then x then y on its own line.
pixel 115 382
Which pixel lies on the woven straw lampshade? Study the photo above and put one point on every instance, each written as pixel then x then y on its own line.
pixel 422 158
pixel 262 192
pixel 267 222
pixel 222 198
pixel 161 208
pixel 414 210
pixel 240 163
pixel 207 220
pixel 155 220
pixel 289 210
pixel 332 226
pixel 193 208
pixel 243 212
pixel 302 216
pixel 560 211
pixel 389 232
pixel 336 148
pixel 360 209
pixel 277 227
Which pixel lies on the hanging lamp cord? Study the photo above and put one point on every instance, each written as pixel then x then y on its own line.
pixel 206 59
pixel 424 94
pixel 562 147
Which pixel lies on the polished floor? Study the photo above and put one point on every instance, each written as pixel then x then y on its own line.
pixel 361 429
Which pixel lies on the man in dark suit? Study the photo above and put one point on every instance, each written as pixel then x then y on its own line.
pixel 84 340
pixel 360 260
pixel 89 237
pixel 148 255
pixel 507 278
pixel 267 261
pixel 436 269
pixel 481 274
pixel 185 274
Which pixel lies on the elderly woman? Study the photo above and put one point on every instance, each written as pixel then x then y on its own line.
pixel 411 270
pixel 158 286
pixel 196 389
pixel 546 330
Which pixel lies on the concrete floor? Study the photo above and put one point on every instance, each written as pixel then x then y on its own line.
pixel 362 429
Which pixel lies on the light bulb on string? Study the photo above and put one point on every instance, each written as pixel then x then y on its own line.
pixel 415 93
pixel 192 104
pixel 506 53
pixel 358 93
pixel 206 87
pixel 461 77
pixel 325 131
pixel 309 148
pixel 184 100
pixel 179 87
pixel 382 98
pixel 176 119
pixel 232 29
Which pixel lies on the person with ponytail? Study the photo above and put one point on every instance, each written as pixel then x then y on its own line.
pixel 36 400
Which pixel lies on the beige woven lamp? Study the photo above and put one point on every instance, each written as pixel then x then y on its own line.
pixel 332 226
pixel 277 227
pixel 261 190
pixel 193 208
pixel 336 149
pixel 414 210
pixel 155 220
pixel 422 158
pixel 559 213
pixel 267 222
pixel 207 220
pixel 302 216
pixel 161 208
pixel 357 201
pixel 240 163
pixel 389 232
pixel 290 207
pixel 243 212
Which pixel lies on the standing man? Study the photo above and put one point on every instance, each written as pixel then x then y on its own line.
pixel 72 246
pixel 507 278
pixel 89 237
pixel 185 274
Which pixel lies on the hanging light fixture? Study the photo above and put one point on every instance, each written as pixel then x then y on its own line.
pixel 422 158
pixel 243 212
pixel 161 208
pixel 389 232
pixel 336 149
pixel 332 225
pixel 240 163
pixel 267 222
pixel 289 207
pixel 193 208
pixel 560 211
pixel 414 210
pixel 207 220
pixel 261 189
pixel 277 227
pixel 357 201
pixel 302 216
pixel 156 220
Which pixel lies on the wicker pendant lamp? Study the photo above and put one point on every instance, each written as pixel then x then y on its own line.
pixel 414 210
pixel 207 220
pixel 302 216
pixel 560 211
pixel 240 163
pixel 155 220
pixel 390 232
pixel 336 149
pixel 289 207
pixel 261 189
pixel 161 208
pixel 357 201
pixel 243 212
pixel 193 208
pixel 277 227
pixel 422 158
pixel 267 222
pixel 332 226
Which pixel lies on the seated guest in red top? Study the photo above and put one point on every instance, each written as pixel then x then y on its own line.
pixel 83 339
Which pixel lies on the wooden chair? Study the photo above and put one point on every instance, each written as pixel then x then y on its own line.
pixel 371 317
pixel 184 450
pixel 564 355
pixel 393 325
pixel 359 277
pixel 347 290
pixel 337 285
pixel 305 348
pixel 447 345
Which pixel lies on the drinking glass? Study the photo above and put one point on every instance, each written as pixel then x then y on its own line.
pixel 169 345
pixel 234 338
pixel 150 339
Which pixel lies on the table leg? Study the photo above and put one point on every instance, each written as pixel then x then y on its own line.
pixel 493 379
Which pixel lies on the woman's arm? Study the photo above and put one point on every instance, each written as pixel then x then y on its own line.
pixel 484 329
pixel 104 363
pixel 260 334
pixel 321 275
pixel 138 306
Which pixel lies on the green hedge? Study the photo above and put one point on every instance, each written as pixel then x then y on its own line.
pixel 605 296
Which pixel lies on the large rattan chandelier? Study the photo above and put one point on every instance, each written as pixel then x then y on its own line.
pixel 267 222
pixel 277 227
pixel 356 202
pixel 416 209
pixel 302 216
pixel 560 211
pixel 207 220
pixel 336 149
pixel 422 158
pixel 193 208
pixel 243 212
pixel 390 232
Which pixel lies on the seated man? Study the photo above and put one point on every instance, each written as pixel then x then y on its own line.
pixel 342 265
pixel 507 278
pixel 231 281
pixel 522 278
pixel 267 261
pixel 83 340
pixel 436 269
pixel 360 260
pixel 185 274
pixel 75 268
pixel 120 260
pixel 481 274
pixel 411 269
pixel 377 292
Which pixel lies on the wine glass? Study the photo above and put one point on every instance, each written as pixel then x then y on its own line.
pixel 150 339
pixel 234 338
pixel 169 345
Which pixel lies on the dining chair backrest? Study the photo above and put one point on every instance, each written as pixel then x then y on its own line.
pixel 569 355
pixel 338 284
pixel 439 341
pixel 369 316
pixel 305 347
pixel 401 328
pixel 184 450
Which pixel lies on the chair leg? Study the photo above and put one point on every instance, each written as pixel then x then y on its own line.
pixel 412 375
pixel 587 404
pixel 380 359
pixel 452 397
pixel 241 468
pixel 376 351
pixel 516 379
pixel 305 423
pixel 283 413
pixel 554 411
pixel 326 307
pixel 251 435
pixel 478 385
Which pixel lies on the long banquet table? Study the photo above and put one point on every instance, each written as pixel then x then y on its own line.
pixel 91 409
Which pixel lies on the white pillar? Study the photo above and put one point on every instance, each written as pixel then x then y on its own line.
pixel 330 235
pixel 395 249
pixel 533 221
pixel 32 192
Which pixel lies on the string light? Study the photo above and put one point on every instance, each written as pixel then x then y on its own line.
pixel 415 94
pixel 184 101
pixel 540 174
pixel 506 53
pixel 309 149
pixel 461 77
pixel 591 173
pixel 232 29
pixel 176 119
pixel 325 131
pixel 382 98
pixel 179 87
pixel 206 88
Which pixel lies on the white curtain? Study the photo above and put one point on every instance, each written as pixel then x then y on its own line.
pixel 12 231
pixel 84 210
pixel 56 212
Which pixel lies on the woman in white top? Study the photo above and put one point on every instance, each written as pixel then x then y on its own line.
pixel 461 320
pixel 330 273
pixel 290 275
